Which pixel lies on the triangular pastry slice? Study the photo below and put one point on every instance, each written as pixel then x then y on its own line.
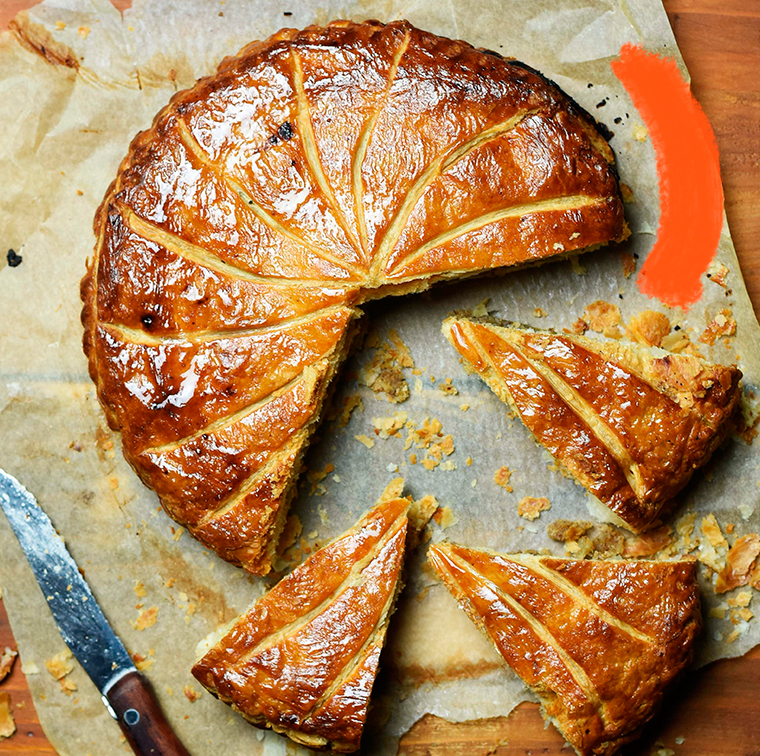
pixel 598 641
pixel 302 660
pixel 627 424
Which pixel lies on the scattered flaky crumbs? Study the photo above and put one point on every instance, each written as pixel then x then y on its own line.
pixel 741 560
pixel 350 403
pixel 711 530
pixel 579 327
pixel 448 388
pixel 530 507
pixel 648 327
pixel 385 427
pixel 640 133
pixel 6 662
pixel 146 619
pixel 366 440
pixel 315 477
pixel 60 665
pixel 464 407
pixel 568 530
pixel 140 591
pixel 629 263
pixel 723 324
pixel 444 517
pixel 7 723
pixel 649 543
pixel 603 317
pixel 141 662
pixel 178 533
pixel 191 693
pixel 501 478
pixel 383 373
pixel 742 599
pixel 84 31
pixel 717 273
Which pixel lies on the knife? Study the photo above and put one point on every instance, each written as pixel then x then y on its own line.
pixel 125 692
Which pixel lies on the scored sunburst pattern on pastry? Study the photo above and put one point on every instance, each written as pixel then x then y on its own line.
pixel 303 659
pixel 629 425
pixel 313 171
pixel 598 641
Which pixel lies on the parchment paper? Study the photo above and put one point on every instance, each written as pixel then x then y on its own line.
pixel 73 95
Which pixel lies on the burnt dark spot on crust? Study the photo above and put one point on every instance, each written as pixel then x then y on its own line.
pixel 14 260
pixel 147 321
pixel 229 391
pixel 285 132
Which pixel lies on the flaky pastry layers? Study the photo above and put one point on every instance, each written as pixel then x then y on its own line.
pixel 598 641
pixel 629 426
pixel 315 170
pixel 303 659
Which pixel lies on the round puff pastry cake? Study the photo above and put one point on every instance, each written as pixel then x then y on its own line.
pixel 314 171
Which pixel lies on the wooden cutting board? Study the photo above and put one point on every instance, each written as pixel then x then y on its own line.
pixel 715 710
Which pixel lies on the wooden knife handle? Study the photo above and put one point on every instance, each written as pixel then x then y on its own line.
pixel 140 718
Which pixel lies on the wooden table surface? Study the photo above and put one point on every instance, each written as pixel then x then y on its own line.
pixel 717 709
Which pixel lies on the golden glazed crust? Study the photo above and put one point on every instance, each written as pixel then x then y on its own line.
pixel 630 427
pixel 303 659
pixel 597 641
pixel 316 170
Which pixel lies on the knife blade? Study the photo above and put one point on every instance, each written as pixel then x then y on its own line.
pixel 83 626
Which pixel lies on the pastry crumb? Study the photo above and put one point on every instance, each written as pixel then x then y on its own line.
pixel 6 662
pixel 640 133
pixel 711 530
pixel 741 562
pixel 540 312
pixel 350 404
pixel 191 693
pixel 448 388
pixel 146 619
pixel 385 427
pixel 628 197
pixel 84 31
pixel 501 478
pixel 60 665
pixel 140 591
pixel 530 507
pixel 366 440
pixel 722 325
pixel 718 273
pixel 648 327
pixel 444 517
pixel 383 374
pixel 7 723
pixel 629 263
pixel 603 317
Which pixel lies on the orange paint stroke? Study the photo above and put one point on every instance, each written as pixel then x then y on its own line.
pixel 688 169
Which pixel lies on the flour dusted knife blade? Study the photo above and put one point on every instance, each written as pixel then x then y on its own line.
pixel 83 626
